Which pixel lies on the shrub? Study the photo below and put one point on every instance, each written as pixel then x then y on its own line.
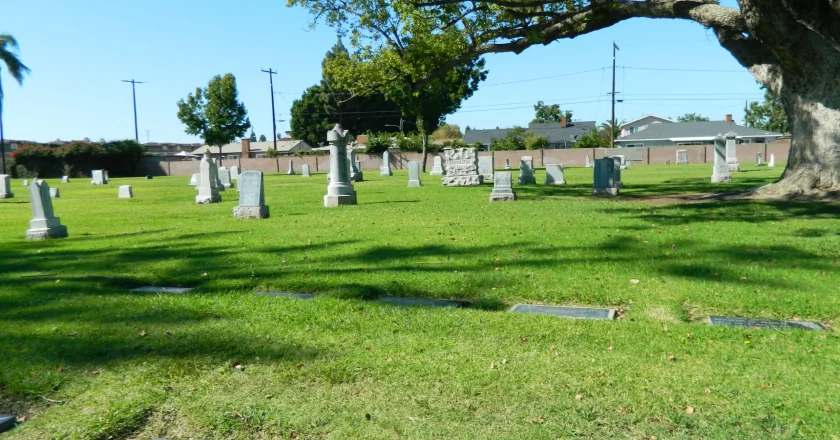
pixel 38 160
pixel 378 143
pixel 535 142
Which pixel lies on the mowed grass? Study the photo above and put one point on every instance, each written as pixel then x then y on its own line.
pixel 81 357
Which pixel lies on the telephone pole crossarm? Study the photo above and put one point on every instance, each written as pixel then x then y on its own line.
pixel 271 74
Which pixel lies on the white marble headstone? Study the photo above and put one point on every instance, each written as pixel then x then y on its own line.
pixel 6 187
pixel 44 223
pixel 526 171
pixel 414 173
pixel 437 167
pixel 555 175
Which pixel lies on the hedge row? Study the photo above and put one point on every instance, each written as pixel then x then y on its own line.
pixel 76 159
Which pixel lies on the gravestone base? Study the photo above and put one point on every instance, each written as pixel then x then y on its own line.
pixel 556 182
pixel 212 198
pixel 43 229
pixel 734 166
pixel 333 201
pixel 227 185
pixel 386 173
pixel 526 180
pixel 436 171
pixel 722 179
pixel 7 195
pixel 602 192
pixel 462 180
pixel 414 183
pixel 251 212
pixel 502 196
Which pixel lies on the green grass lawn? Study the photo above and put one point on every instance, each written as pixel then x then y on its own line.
pixel 81 357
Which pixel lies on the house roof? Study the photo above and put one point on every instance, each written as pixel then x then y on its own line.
pixel 553 131
pixel 643 117
pixel 695 131
pixel 283 145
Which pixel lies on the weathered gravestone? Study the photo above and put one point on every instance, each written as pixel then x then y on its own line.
pixel 555 174
pixel 291 170
pixel 340 189
pixel 485 168
pixel 125 192
pixel 607 177
pixel 461 167
pixel 414 173
pixel 770 324
pixel 385 169
pixel 622 160
pixel 507 163
pixel 720 172
pixel 65 179
pixel 25 182
pixel 437 168
pixel 758 159
pixel 502 187
pixel 98 177
pixel 588 162
pixel 731 152
pixel 682 157
pixel 565 311
pixel 772 162
pixel 219 186
pixel 107 178
pixel 6 187
pixel 224 177
pixel 44 223
pixel 55 193
pixel 304 170
pixel 251 196
pixel 234 173
pixel 356 174
pixel 526 171
pixel 208 186
pixel 194 179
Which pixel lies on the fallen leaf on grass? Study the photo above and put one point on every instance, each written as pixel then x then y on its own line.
pixel 168 335
pixel 523 339
pixel 743 278
pixel 388 360
pixel 578 396
pixel 664 328
pixel 610 348
pixel 367 416
pixel 143 334
pixel 21 419
pixel 634 282
pixel 492 366
pixel 689 410
pixel 826 408
pixel 204 274
pixel 268 396
pixel 672 357
pixel 538 420
pixel 238 366
pixel 622 411
pixel 822 336
pixel 707 391
pixel 300 365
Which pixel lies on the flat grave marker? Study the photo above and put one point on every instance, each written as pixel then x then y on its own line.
pixel 770 324
pixel 158 289
pixel 565 311
pixel 422 302
pixel 287 295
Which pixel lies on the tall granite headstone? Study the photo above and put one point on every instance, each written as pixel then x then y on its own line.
pixel 385 169
pixel 682 157
pixel 219 186
pixel 720 172
pixel 208 186
pixel 526 171
pixel 107 177
pixel 437 168
pixel 356 174
pixel 502 187
pixel 732 152
pixel 304 170
pixel 251 196
pixel 44 223
pixel 125 192
pixel 461 167
pixel 772 162
pixel 485 168
pixel 340 189
pixel 6 187
pixel 607 175
pixel 555 174
pixel 414 173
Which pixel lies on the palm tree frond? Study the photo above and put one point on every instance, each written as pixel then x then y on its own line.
pixel 8 55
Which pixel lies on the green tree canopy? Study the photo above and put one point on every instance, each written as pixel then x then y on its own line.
pixel 262 138
pixel 768 115
pixel 550 113
pixel 447 132
pixel 692 117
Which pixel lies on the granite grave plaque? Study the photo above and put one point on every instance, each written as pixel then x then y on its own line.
pixel 770 324
pixel 565 312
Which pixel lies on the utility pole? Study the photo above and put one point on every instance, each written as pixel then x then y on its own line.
pixel 134 98
pixel 399 126
pixel 147 136
pixel 271 74
pixel 612 121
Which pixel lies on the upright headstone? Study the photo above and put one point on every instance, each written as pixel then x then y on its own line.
pixel 25 182
pixel 385 169
pixel 353 165
pixel 731 152
pixel 149 177
pixel 437 168
pixel 224 177
pixel 772 162
pixel 359 173
pixel 44 223
pixel 502 187
pixel 304 170
pixel 194 179
pixel 682 157
pixel 507 167
pixel 526 171
pixel 340 189
pixel 234 173
pixel 106 176
pixel 98 177
pixel 291 170
pixel 588 162
pixel 758 159
pixel 622 160
pixel 414 173
pixel 720 172
pixel 485 168
pixel 6 187
pixel 55 193
pixel 461 167
pixel 555 175
pixel 251 196
pixel 208 186
pixel 607 175
pixel 125 192
pixel 65 179
pixel 219 186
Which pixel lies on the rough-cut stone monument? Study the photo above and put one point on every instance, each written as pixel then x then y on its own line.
pixel 194 179
pixel 291 170
pixel 251 196
pixel 385 169
pixel 507 166
pixel 125 192
pixel 44 223
pixel 234 173
pixel 304 170
pixel 720 172
pixel 526 171
pixel 97 177
pixel 6 187
pixel 555 174
pixel 414 173
pixel 682 157
pixel 732 152
pixel 208 186
pixel 65 179
pixel 461 167
pixel 437 168
pixel 772 162
pixel 485 168
pixel 502 187
pixel 340 189
pixel 55 193
pixel 607 176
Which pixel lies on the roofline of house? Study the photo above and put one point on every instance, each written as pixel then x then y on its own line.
pixel 698 138
pixel 645 116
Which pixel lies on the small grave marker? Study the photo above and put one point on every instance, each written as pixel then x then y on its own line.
pixel 304 171
pixel 555 175
pixel 287 295
pixel 502 187
pixel 194 179
pixel 682 157
pixel 291 171
pixel 44 223
pixel 157 289
pixel 772 162
pixel 6 187
pixel 55 193
pixel 422 302
pixel 770 324
pixel 485 167
pixel 526 171
pixel 125 192
pixel 565 312
pixel 385 169
pixel 437 169
pixel 251 196
pixel 414 174
pixel 507 163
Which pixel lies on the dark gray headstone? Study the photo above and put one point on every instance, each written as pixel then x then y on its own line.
pixel 422 302
pixel 251 189
pixel 7 422
pixel 772 324
pixel 288 295
pixel 565 312
pixel 157 289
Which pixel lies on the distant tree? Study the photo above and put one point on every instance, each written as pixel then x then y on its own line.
pixel 379 143
pixel 262 138
pixel 535 142
pixel 467 128
pixel 549 113
pixel 769 115
pixel 610 126
pixel 101 140
pixel 447 131
pixel 310 122
pixel 87 139
pixel 9 56
pixel 513 140
pixel 692 117
pixel 214 113
pixel 253 136
pixel 593 139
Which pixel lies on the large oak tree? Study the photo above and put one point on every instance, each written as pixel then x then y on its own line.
pixel 792 47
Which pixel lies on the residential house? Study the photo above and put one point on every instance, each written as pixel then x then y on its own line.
pixel 168 149
pixel 247 149
pixel 640 124
pixel 665 133
pixel 560 135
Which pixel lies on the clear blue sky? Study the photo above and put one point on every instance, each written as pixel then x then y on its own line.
pixel 80 51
